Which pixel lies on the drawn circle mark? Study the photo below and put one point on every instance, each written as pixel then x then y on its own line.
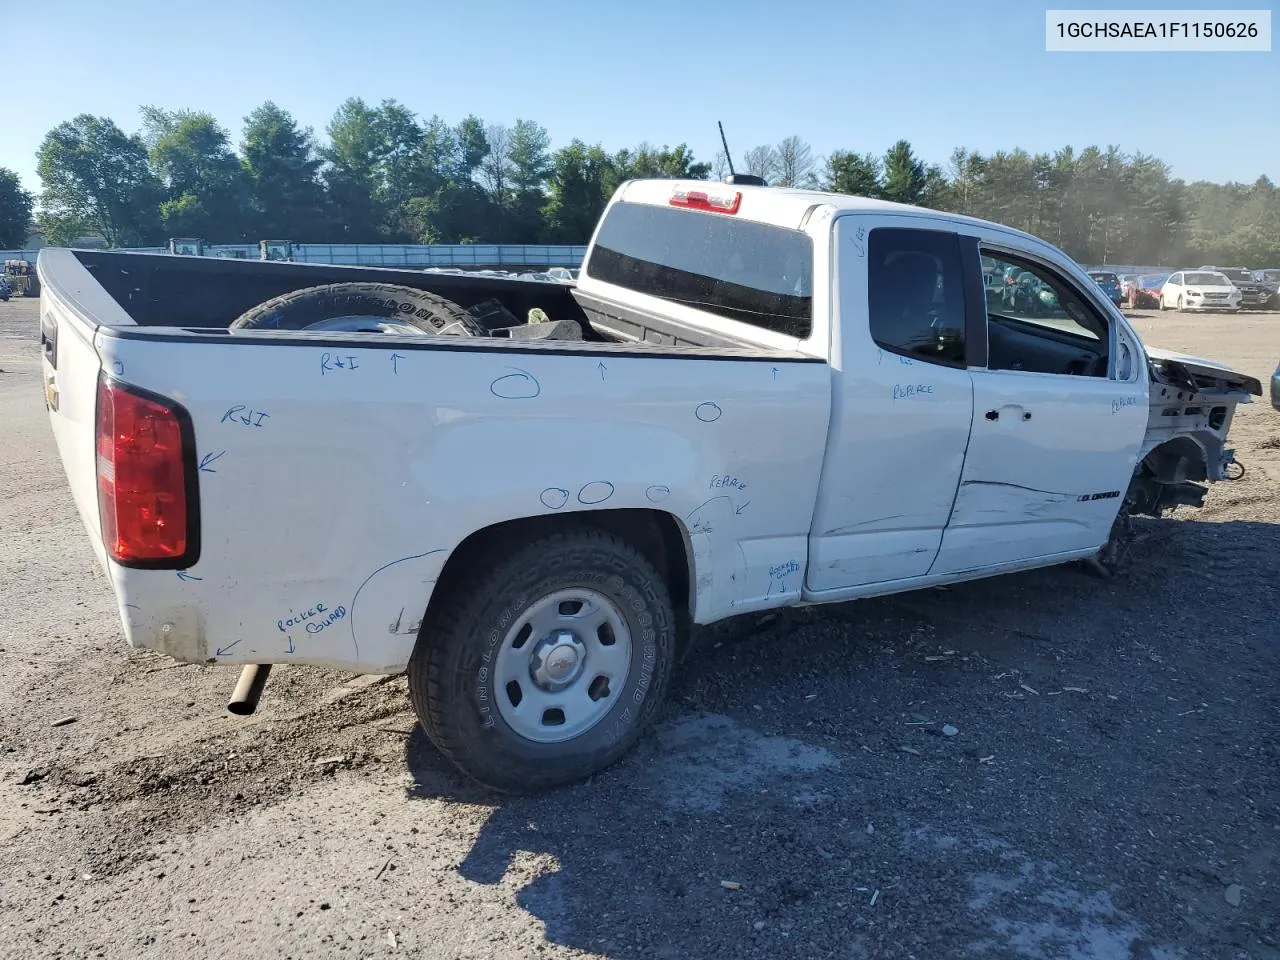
pixel 554 498
pixel 707 412
pixel 518 385
pixel 597 491
pixel 657 493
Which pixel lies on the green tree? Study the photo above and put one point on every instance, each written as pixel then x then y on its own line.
pixel 352 173
pixel 398 171
pixel 530 156
pixel 473 147
pixel 96 180
pixel 287 200
pixel 669 163
pixel 935 192
pixel 15 211
pixel 207 192
pixel 904 175
pixel 857 174
pixel 577 193
pixel 649 162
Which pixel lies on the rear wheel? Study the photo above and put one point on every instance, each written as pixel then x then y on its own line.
pixel 543 665
pixel 361 307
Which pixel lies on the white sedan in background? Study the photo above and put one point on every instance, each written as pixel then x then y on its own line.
pixel 1200 290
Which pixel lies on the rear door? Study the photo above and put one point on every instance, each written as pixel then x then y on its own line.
pixel 1060 411
pixel 902 399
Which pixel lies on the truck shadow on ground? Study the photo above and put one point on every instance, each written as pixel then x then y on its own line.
pixel 799 796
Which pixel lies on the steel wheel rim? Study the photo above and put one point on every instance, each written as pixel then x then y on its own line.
pixel 562 665
pixel 363 324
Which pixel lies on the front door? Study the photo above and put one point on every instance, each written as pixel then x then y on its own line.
pixel 1059 418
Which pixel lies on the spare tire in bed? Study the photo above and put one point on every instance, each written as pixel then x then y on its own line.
pixel 361 307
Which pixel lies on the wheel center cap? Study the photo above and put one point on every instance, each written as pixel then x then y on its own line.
pixel 558 661
pixel 561 661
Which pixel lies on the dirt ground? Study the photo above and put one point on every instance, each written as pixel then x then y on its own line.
pixel 1113 790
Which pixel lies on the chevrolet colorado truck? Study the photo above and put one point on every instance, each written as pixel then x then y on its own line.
pixel 751 398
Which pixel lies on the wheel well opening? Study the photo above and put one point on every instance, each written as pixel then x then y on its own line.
pixel 1177 461
pixel 656 534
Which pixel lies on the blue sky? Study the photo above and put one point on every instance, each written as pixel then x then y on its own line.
pixel 843 75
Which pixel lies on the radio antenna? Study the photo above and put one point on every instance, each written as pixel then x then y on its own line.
pixel 727 155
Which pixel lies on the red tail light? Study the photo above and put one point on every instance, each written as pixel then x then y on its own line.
pixel 146 478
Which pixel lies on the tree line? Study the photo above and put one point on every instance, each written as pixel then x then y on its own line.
pixel 383 174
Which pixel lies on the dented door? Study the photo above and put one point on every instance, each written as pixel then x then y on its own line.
pixel 1056 430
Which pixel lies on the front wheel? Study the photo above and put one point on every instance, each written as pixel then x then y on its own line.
pixel 1112 558
pixel 1180 306
pixel 543 665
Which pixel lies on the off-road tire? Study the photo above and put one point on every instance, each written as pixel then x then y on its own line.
pixel 451 673
pixel 302 308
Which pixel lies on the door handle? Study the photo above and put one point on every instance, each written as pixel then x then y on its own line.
pixel 995 414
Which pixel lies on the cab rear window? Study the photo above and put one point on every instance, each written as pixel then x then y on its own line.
pixel 750 272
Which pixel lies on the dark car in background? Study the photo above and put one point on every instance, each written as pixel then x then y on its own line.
pixel 1253 294
pixel 1270 279
pixel 1110 284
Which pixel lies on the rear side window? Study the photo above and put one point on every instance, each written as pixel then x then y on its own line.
pixel 750 272
pixel 915 291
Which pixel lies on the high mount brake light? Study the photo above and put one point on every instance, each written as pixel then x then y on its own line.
pixel 146 478
pixel 715 202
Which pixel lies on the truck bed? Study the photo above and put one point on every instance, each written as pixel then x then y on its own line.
pixel 159 290
pixel 205 293
pixel 341 470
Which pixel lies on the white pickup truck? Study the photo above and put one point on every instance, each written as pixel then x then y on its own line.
pixel 751 398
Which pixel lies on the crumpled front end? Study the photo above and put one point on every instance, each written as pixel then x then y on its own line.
pixel 1193 402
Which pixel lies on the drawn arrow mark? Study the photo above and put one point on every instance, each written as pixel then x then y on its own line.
pixel 183 575
pixel 739 510
pixel 207 459
pixel 602 368
pixel 222 650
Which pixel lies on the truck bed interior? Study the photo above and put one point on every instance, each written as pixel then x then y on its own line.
pixel 159 290
pixel 205 293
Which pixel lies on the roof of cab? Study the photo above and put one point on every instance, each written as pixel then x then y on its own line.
pixel 787 206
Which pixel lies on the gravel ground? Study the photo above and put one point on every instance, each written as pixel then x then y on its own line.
pixel 1111 790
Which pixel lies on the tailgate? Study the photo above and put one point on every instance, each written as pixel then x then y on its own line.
pixel 70 368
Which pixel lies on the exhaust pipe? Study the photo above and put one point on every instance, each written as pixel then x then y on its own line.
pixel 248 691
